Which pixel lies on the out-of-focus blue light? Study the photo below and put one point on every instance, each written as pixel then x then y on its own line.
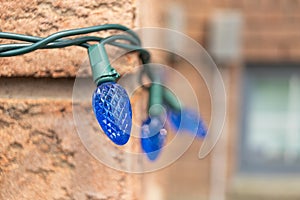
pixel 153 136
pixel 188 120
pixel 112 109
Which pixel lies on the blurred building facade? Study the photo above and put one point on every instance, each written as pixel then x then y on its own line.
pixel 258 154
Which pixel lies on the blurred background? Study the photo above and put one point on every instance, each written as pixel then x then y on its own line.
pixel 256 46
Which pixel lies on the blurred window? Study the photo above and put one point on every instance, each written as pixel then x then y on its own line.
pixel 271 122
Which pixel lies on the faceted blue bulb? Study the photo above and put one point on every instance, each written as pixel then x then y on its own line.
pixel 153 136
pixel 112 109
pixel 188 120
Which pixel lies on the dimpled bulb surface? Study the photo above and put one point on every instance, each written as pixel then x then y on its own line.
pixel 112 109
pixel 153 137
pixel 188 120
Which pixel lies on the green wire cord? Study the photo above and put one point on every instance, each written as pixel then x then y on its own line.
pixel 39 43
pixel 60 40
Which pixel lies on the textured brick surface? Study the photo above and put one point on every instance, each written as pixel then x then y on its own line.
pixel 41 156
pixel 41 18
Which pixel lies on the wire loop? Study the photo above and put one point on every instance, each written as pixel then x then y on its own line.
pixel 56 40
pixel 60 40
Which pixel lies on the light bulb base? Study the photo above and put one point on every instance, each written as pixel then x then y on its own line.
pixel 101 68
pixel 172 100
pixel 155 98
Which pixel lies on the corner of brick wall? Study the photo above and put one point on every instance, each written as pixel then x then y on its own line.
pixel 41 156
pixel 42 18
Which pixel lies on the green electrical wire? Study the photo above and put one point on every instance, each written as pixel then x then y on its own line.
pixel 56 44
pixel 65 43
pixel 60 40
pixel 144 54
pixel 56 37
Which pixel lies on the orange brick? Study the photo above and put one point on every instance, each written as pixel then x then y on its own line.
pixel 42 18
pixel 294 53
pixel 257 54
pixel 42 156
pixel 251 6
pixel 290 6
pixel 235 4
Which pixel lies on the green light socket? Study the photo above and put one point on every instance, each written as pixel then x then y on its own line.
pixel 101 68
pixel 155 98
pixel 172 100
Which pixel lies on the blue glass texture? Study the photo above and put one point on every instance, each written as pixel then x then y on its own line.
pixel 153 136
pixel 188 120
pixel 112 109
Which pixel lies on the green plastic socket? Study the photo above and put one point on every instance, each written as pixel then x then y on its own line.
pixel 101 68
pixel 170 98
pixel 158 94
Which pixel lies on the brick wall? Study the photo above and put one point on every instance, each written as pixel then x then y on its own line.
pixel 41 156
pixel 42 18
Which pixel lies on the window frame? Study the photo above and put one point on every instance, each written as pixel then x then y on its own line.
pixel 251 70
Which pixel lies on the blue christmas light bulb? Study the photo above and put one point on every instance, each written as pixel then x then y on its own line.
pixel 153 136
pixel 188 120
pixel 112 109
